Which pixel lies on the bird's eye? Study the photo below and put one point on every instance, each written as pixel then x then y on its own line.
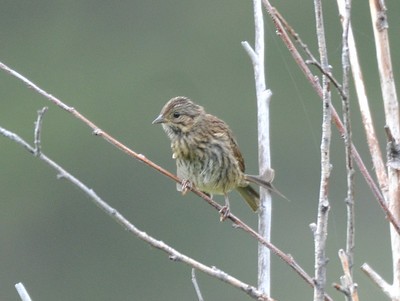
pixel 176 114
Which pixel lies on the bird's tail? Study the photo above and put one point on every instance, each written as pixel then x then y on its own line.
pixel 257 180
pixel 250 195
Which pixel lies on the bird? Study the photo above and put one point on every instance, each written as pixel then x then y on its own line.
pixel 207 154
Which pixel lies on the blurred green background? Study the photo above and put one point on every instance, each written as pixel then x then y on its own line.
pixel 118 63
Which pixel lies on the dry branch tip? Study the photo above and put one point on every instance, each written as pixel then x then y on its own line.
pixel 38 131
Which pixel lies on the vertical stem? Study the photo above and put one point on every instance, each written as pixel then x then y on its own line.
pixel 380 27
pixel 347 137
pixel 264 156
pixel 376 155
pixel 321 229
pixel 265 216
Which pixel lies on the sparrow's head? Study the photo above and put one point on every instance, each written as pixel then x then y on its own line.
pixel 179 115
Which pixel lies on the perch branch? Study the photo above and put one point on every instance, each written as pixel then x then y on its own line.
pixel 120 219
pixel 288 259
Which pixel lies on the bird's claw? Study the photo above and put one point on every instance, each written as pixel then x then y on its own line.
pixel 186 186
pixel 224 213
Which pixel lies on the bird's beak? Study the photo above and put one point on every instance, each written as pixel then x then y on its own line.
pixel 159 119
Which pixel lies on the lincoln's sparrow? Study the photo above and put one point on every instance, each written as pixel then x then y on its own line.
pixel 206 152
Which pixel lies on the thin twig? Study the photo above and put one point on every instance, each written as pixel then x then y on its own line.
pixel 387 289
pixel 350 231
pixel 250 51
pixel 196 285
pixel 321 229
pixel 372 139
pixel 38 130
pixel 341 289
pixel 23 293
pixel 174 255
pixel 329 75
pixel 264 153
pixel 348 287
pixel 335 117
pixel 288 259
pixel 312 60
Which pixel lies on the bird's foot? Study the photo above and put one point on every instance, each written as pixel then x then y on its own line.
pixel 186 185
pixel 224 213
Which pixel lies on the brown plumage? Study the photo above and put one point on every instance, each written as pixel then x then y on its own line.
pixel 206 152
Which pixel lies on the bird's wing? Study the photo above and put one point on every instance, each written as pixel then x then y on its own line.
pixel 222 130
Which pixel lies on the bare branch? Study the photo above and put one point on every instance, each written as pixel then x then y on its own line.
pixel 321 230
pixel 376 154
pixel 348 287
pixel 391 105
pixel 335 117
pixel 23 293
pixel 341 289
pixel 264 153
pixel 250 51
pixel 99 132
pixel 350 236
pixel 380 282
pixel 329 75
pixel 38 130
pixel 288 259
pixel 120 219
pixel 196 285
pixel 312 60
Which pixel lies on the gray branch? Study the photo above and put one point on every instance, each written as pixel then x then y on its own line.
pixel 379 20
pixel 120 219
pixel 350 237
pixel 287 258
pixel 38 131
pixel 348 287
pixel 283 32
pixel 196 285
pixel 321 228
pixel 23 293
pixel 389 290
pixel 264 155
